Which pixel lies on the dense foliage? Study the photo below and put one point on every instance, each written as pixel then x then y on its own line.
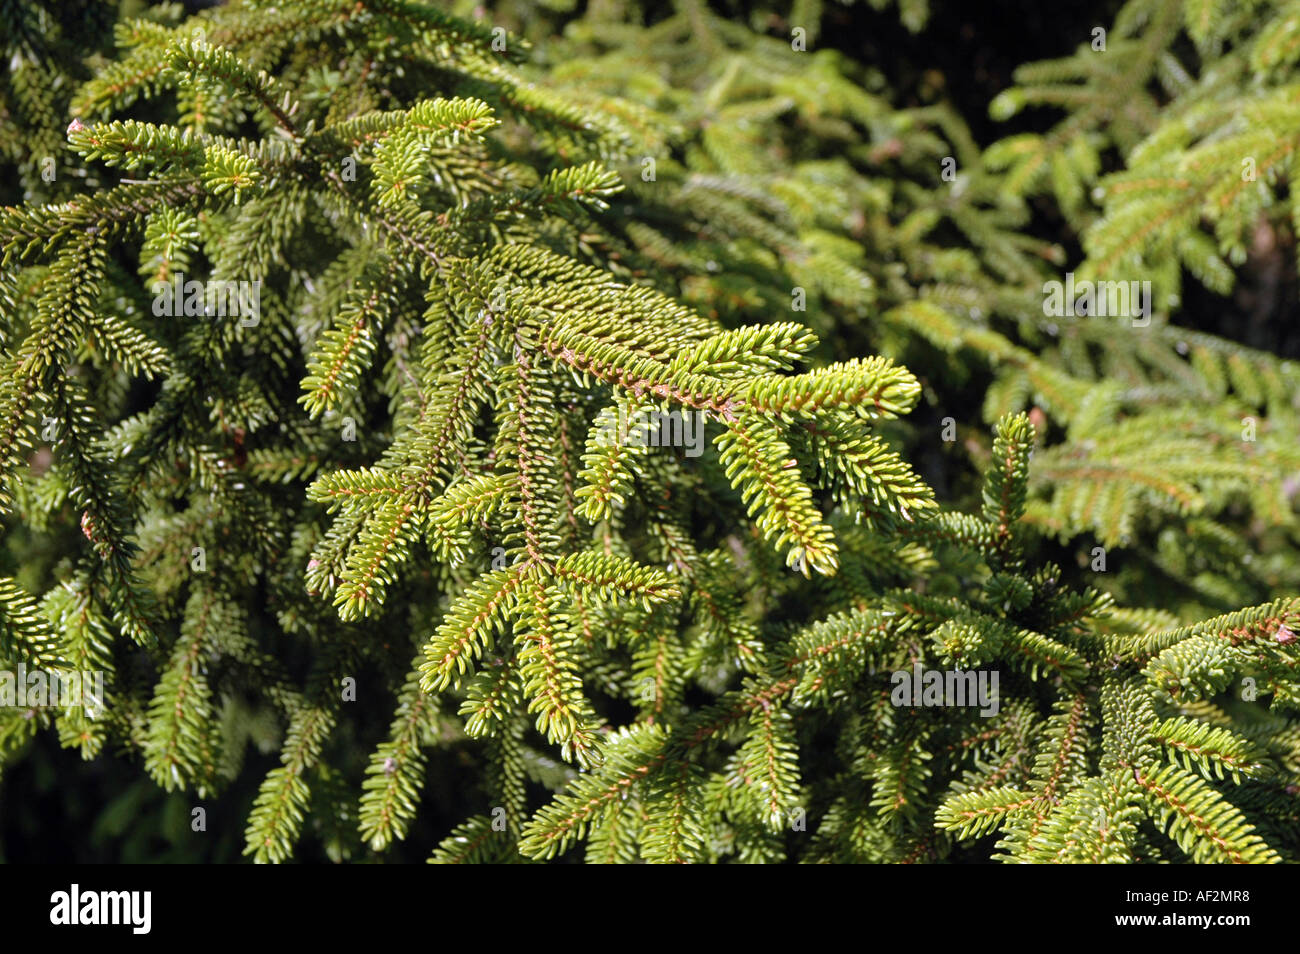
pixel 340 339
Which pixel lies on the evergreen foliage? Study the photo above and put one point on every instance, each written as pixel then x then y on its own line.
pixel 394 511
